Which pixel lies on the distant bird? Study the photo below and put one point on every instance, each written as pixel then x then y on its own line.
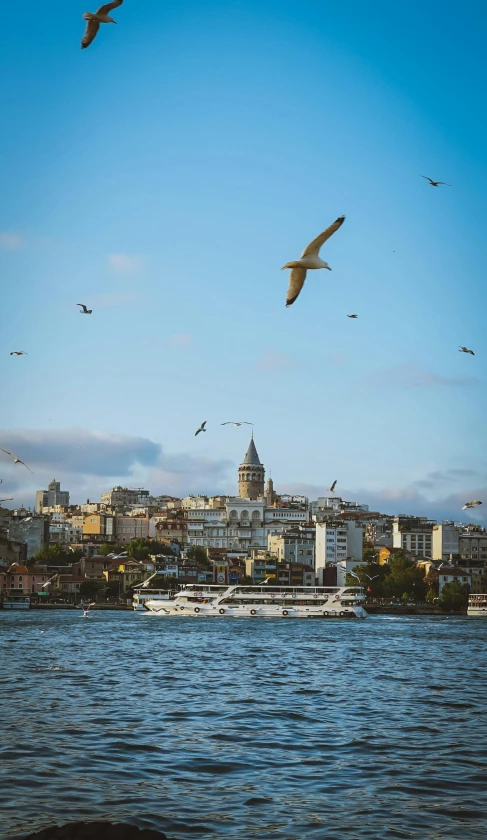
pixel 6 500
pixel 352 316
pixel 84 310
pixel 239 423
pixel 16 460
pixel 466 350
pixel 18 353
pixel 86 610
pixel 371 578
pixel 475 503
pixel 309 260
pixel 93 21
pixel 201 428
pixel 435 183
pixel 332 488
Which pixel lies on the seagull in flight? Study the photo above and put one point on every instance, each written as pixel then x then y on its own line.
pixel 16 460
pixel 18 353
pixel 84 310
pixel 6 500
pixel 102 15
pixel 473 504
pixel 235 423
pixel 435 183
pixel 310 259
pixel 466 350
pixel 332 488
pixel 371 578
pixel 201 429
pixel 352 316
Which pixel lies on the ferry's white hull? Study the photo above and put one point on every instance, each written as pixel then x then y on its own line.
pixel 477 612
pixel 255 612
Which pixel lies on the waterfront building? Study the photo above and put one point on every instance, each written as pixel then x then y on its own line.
pixel 125 497
pixel 31 530
pixel 472 543
pixel 99 528
pixel 414 534
pixel 339 543
pixel 294 545
pixel 51 497
pixel 448 574
pixel 445 541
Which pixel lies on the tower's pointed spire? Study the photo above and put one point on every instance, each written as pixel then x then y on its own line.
pixel 252 457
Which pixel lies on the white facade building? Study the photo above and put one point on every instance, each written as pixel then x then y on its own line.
pixel 338 544
pixel 413 534
pixel 445 541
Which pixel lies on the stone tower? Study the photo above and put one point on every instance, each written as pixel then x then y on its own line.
pixel 251 475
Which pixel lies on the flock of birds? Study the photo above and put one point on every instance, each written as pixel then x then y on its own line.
pixel 310 259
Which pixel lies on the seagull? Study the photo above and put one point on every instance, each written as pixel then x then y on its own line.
pixel 309 259
pixel 6 500
pixel 18 353
pixel 93 21
pixel 16 460
pixel 239 423
pixel 84 310
pixel 370 578
pixel 475 503
pixel 332 488
pixel 201 428
pixel 352 316
pixel 466 350
pixel 435 183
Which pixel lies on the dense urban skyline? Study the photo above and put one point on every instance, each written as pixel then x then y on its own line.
pixel 106 189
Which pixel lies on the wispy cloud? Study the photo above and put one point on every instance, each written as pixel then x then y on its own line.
pixel 127 264
pixel 411 375
pixel 90 462
pixel 181 340
pixel 10 241
pixel 273 360
pixel 440 495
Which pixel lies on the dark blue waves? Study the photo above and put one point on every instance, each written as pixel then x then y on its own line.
pixel 230 728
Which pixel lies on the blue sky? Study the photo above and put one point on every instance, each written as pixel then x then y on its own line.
pixel 164 176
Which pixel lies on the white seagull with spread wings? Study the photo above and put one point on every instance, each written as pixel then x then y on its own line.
pixel 237 423
pixel 201 429
pixel 102 15
pixel 467 505
pixel 310 259
pixel 332 488
pixel 466 350
pixel 16 460
pixel 18 353
pixel 84 310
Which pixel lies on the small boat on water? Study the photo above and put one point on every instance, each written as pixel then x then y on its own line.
pixel 267 601
pixel 477 606
pixel 16 602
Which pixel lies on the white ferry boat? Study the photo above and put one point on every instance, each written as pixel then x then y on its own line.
pixel 477 606
pixel 267 601
pixel 141 596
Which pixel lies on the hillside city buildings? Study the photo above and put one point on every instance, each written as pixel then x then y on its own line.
pixel 254 535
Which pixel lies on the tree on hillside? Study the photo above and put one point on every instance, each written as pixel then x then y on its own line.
pixel 198 555
pixel 404 578
pixel 55 555
pixel 141 549
pixel 366 571
pixel 90 588
pixel 454 596
pixel 106 549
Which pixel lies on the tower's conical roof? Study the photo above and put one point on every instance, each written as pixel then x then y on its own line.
pixel 252 458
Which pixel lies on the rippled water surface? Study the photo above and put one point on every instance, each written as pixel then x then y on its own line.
pixel 226 728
